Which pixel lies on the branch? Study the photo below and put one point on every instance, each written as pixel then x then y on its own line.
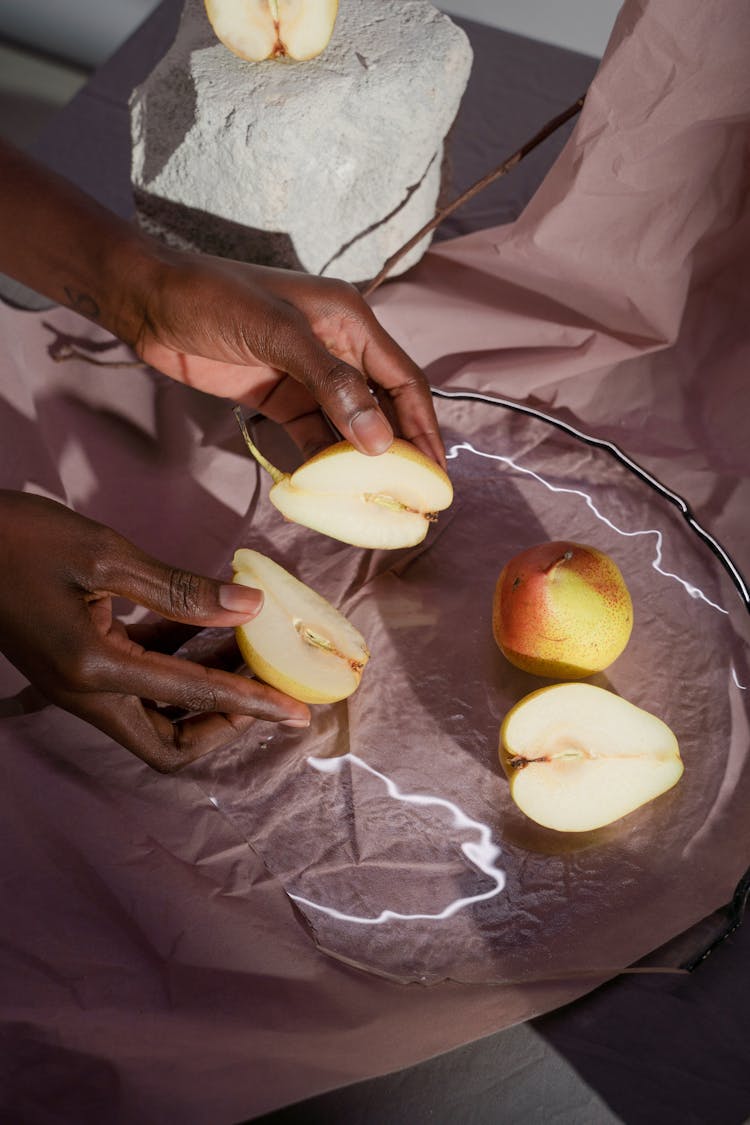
pixel 497 173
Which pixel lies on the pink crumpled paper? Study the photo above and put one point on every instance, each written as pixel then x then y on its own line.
pixel 153 967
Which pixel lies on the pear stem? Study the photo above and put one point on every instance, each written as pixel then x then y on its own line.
pixel 275 473
pixel 502 170
pixel 554 565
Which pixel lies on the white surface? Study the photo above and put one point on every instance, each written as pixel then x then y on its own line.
pixel 88 31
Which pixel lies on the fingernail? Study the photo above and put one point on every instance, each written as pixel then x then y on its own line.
pixel 432 447
pixel 295 722
pixel 372 431
pixel 240 599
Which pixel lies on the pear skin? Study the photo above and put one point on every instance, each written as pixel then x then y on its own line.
pixel 562 610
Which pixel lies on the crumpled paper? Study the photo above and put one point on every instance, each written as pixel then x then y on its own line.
pixel 620 294
pixel 153 964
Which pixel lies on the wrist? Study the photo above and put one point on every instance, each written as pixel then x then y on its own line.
pixel 132 272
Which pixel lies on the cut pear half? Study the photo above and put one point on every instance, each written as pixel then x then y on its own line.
pixel 298 642
pixel 384 502
pixel 579 757
pixel 268 29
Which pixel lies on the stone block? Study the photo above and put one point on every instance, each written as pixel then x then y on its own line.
pixel 327 166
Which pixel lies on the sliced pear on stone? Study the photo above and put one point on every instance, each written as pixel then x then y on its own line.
pixel 579 757
pixel 298 642
pixel 386 501
pixel 266 29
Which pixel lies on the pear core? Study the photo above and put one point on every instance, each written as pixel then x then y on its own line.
pixel 256 30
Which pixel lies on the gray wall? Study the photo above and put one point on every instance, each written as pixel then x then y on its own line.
pixel 580 25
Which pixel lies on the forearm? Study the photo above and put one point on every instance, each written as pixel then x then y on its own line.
pixel 60 242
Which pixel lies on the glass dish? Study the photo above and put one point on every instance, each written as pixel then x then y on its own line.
pixel 389 822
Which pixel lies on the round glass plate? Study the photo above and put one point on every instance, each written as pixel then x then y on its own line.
pixel 389 822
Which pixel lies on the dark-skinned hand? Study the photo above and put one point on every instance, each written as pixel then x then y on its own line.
pixel 294 347
pixel 302 350
pixel 57 627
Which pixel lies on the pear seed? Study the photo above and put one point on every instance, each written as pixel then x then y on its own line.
pixel 311 637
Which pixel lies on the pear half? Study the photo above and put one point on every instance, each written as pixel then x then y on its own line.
pixel 386 501
pixel 269 29
pixel 579 757
pixel 298 642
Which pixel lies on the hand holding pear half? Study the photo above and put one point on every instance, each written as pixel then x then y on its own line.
pixel 386 501
pixel 298 642
pixel 270 29
pixel 562 610
pixel 579 757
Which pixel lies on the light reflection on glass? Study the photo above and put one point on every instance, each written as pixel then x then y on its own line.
pixel 482 852
pixel 737 683
pixel 692 590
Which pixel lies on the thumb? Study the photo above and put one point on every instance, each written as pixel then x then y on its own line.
pixel 181 595
pixel 339 388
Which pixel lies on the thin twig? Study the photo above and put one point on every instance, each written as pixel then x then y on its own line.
pixel 496 174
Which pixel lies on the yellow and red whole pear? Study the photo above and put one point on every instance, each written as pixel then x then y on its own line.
pixel 562 610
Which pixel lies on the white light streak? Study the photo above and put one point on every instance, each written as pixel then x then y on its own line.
pixel 482 852
pixel 694 591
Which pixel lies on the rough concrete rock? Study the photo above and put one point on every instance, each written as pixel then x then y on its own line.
pixel 328 165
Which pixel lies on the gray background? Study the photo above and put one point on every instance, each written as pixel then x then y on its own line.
pixel 86 32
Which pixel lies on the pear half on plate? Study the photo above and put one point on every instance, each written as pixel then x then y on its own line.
pixel 579 757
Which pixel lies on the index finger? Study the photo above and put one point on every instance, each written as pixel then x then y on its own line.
pixel 196 688
pixel 388 365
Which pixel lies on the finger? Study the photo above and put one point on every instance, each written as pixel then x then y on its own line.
pixel 189 739
pixel 388 365
pixel 341 389
pixel 180 595
pixel 286 401
pixel 213 648
pixel 195 688
pixel 160 743
pixel 161 635
pixel 280 397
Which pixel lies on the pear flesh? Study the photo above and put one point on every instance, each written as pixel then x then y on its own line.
pixel 386 501
pixel 267 29
pixel 579 757
pixel 382 502
pixel 298 643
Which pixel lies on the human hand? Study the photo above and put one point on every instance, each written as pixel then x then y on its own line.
pixel 286 344
pixel 60 573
